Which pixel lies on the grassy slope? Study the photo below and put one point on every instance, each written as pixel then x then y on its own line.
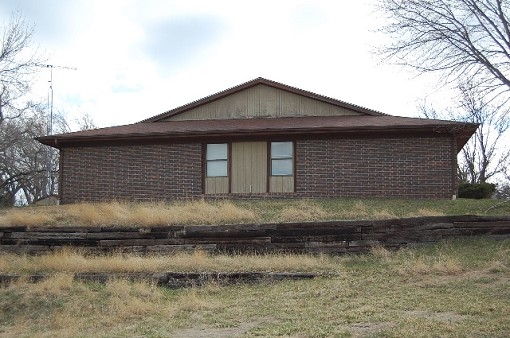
pixel 457 288
pixel 372 208
pixel 223 212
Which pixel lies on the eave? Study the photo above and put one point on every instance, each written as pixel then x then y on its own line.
pixel 462 132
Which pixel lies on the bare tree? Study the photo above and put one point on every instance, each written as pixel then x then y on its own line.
pixel 485 155
pixel 86 122
pixel 17 153
pixel 24 161
pixel 459 38
pixel 18 63
pixel 18 124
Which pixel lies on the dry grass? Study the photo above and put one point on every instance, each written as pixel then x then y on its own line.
pixel 27 216
pixel 71 309
pixel 120 213
pixel 437 265
pixel 362 210
pixel 423 212
pixel 497 266
pixel 383 214
pixel 381 252
pixel 223 212
pixel 195 212
pixel 69 260
pixel 135 299
pixel 451 289
pixel 358 209
pixel 304 210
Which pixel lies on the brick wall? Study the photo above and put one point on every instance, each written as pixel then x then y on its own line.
pixel 135 172
pixel 400 167
pixel 418 167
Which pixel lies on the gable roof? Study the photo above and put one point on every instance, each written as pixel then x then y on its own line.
pixel 266 82
pixel 367 123
pixel 289 127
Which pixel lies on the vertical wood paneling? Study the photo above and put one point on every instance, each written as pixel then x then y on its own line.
pixel 253 97
pixel 262 101
pixel 307 106
pixel 268 102
pixel 322 109
pixel 238 173
pixel 289 104
pixel 259 171
pixel 216 185
pixel 240 108
pixel 280 184
pixel 249 167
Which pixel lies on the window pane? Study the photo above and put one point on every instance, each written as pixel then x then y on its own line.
pixel 216 168
pixel 281 149
pixel 217 151
pixel 281 167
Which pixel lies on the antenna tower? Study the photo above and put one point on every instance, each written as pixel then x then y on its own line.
pixel 49 127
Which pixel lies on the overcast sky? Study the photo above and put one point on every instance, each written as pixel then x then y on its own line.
pixel 136 59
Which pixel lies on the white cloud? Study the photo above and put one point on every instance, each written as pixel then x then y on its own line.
pixel 136 59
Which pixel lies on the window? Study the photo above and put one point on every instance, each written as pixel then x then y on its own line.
pixel 282 154
pixel 217 159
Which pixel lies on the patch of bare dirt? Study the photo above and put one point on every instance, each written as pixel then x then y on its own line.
pixel 212 332
pixel 439 316
pixel 364 329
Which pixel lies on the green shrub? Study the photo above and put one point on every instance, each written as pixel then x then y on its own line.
pixel 476 190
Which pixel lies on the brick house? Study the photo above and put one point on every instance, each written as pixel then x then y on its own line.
pixel 262 139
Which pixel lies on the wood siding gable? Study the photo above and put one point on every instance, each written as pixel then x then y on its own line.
pixel 261 101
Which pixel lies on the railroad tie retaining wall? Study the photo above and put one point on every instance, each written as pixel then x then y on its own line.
pixel 299 237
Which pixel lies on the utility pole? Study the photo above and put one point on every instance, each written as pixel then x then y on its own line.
pixel 49 127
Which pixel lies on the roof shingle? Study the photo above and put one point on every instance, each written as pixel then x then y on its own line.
pixel 263 126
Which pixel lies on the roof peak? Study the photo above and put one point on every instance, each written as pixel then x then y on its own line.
pixel 255 82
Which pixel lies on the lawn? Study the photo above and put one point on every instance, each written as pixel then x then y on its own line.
pixel 456 288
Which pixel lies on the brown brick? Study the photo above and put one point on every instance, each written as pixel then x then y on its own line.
pixel 134 172
pixel 412 167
